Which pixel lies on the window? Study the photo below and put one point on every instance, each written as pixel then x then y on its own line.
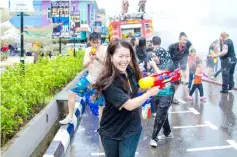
pixel 136 30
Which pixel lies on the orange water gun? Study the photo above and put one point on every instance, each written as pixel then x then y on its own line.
pixel 93 51
pixel 160 79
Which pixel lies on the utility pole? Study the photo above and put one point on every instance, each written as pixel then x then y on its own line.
pixel 22 59
pixel 60 46
pixel 74 51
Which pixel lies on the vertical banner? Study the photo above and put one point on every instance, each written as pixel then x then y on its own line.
pixel 75 24
pixel 60 18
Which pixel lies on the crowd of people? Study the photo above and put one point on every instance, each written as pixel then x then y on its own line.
pixel 112 81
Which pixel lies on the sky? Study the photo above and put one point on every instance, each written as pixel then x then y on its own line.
pixel 202 20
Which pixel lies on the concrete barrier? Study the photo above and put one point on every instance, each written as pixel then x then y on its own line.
pixel 61 141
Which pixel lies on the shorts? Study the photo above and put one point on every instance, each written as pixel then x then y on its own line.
pixel 83 89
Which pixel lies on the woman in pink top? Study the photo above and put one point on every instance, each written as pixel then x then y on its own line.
pixel 192 59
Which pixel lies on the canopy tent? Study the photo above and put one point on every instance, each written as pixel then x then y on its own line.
pixel 9 32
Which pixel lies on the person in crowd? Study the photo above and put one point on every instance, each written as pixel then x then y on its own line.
pixel 228 62
pixel 212 62
pixel 197 83
pixel 192 59
pixel 94 64
pixel 141 50
pixel 120 126
pixel 188 44
pixel 149 43
pixel 161 61
pixel 148 70
pixel 133 42
pixel 179 55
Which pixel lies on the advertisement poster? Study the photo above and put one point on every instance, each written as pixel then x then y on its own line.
pixel 60 18
pixel 75 24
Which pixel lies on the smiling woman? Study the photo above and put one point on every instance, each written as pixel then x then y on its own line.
pixel 120 124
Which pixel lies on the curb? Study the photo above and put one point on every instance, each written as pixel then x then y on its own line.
pixel 61 141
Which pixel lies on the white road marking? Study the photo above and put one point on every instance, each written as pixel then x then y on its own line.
pixel 180 112
pixel 212 126
pixel 209 148
pixel 206 124
pixel 48 155
pixel 189 126
pixel 193 110
pixel 232 143
pixel 98 154
pixel 190 110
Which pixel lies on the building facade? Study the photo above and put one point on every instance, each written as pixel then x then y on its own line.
pixel 42 15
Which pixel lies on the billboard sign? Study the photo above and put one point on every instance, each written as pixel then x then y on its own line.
pixel 75 24
pixel 60 18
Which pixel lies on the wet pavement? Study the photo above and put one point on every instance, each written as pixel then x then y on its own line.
pixel 200 129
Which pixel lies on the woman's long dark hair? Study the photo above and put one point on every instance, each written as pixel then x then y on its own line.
pixel 111 73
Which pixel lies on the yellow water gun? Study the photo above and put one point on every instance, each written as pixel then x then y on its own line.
pixel 93 51
pixel 212 53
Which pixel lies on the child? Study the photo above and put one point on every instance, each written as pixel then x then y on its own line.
pixel 163 99
pixel 192 59
pixel 197 83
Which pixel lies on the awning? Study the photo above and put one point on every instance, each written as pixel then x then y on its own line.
pixel 83 36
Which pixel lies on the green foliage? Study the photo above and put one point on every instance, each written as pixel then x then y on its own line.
pixel 24 94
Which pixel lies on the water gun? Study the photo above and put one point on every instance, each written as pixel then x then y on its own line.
pixel 160 79
pixel 212 53
pixel 93 51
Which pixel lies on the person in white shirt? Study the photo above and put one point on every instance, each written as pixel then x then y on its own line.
pixel 94 64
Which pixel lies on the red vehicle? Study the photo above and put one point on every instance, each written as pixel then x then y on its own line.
pixel 137 27
pixel 133 24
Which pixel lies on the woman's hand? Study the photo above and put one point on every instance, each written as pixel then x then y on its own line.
pixel 152 91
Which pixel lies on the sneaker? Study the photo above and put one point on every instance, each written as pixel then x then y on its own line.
pixel 202 99
pixel 162 137
pixel 175 101
pixel 231 88
pixel 153 143
pixel 154 114
pixel 67 120
pixel 224 91
pixel 190 97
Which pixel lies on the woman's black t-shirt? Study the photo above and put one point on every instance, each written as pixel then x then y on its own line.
pixel 117 123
